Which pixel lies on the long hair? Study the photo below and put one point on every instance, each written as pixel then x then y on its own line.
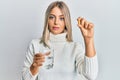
pixel 63 7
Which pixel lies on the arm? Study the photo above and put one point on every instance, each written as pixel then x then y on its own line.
pixel 86 66
pixel 90 63
pixel 33 61
pixel 26 73
pixel 87 29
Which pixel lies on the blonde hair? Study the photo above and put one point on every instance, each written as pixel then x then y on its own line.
pixel 63 7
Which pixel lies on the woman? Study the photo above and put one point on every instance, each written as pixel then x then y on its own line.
pixel 69 58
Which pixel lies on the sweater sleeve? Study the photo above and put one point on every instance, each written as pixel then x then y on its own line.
pixel 88 67
pixel 26 74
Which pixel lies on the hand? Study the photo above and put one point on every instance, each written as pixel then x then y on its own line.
pixel 38 61
pixel 88 34
pixel 86 28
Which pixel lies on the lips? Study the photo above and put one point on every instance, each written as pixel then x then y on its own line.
pixel 55 28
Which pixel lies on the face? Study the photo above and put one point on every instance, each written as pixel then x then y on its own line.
pixel 56 22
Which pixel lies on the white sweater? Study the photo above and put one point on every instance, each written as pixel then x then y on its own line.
pixel 69 61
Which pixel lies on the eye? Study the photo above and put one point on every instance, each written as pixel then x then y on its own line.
pixel 51 17
pixel 62 18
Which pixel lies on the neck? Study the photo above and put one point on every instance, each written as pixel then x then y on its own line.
pixel 57 37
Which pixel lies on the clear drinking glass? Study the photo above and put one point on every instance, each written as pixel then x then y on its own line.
pixel 49 59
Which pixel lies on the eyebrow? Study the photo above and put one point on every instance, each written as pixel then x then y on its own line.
pixel 59 15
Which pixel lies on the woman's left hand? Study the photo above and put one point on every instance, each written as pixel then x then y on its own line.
pixel 87 28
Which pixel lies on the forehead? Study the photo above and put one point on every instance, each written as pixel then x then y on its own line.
pixel 56 11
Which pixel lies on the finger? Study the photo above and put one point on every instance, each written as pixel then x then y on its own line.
pixel 79 18
pixel 40 62
pixel 90 26
pixel 39 58
pixel 37 64
pixel 82 21
pixel 86 24
pixel 79 23
pixel 47 53
pixel 38 55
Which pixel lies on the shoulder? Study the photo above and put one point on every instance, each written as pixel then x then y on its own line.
pixel 34 41
pixel 35 45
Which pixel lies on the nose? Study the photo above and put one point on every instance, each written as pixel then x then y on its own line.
pixel 56 21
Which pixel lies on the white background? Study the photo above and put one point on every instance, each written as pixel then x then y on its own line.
pixel 22 20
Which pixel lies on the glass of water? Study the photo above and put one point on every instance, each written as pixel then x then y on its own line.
pixel 49 59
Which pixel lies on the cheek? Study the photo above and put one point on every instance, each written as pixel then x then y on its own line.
pixel 63 26
pixel 49 24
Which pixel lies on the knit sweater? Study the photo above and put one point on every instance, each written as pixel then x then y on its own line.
pixel 69 61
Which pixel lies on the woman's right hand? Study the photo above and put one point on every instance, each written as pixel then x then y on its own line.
pixel 38 61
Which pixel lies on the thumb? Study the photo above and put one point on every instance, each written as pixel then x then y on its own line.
pixel 47 53
pixel 80 26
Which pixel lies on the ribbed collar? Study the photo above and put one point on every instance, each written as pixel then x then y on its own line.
pixel 58 38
